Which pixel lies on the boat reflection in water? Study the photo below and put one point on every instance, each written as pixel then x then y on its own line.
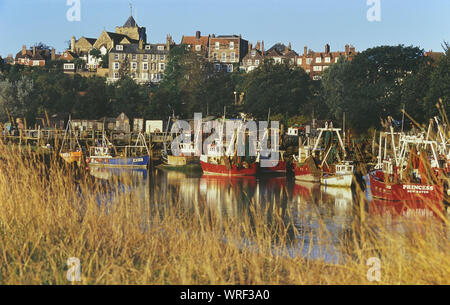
pixel 306 209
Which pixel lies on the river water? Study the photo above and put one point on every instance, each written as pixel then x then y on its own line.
pixel 308 206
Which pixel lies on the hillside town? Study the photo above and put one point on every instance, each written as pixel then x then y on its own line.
pixel 106 55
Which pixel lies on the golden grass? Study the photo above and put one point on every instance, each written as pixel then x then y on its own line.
pixel 44 220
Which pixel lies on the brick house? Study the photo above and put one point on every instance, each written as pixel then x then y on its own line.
pixel 145 63
pixel 227 51
pixel 197 43
pixel 34 57
pixel 254 57
pixel 314 63
pixel 281 53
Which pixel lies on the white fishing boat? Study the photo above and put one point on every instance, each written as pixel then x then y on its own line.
pixel 342 177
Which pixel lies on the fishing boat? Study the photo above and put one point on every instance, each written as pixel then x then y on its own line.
pixel 341 177
pixel 227 166
pixel 131 156
pixel 312 162
pixel 410 175
pixel 71 150
pixel 215 162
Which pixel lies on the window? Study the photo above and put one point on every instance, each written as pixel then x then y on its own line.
pixel 69 66
pixel 147 47
pixel 336 59
pixel 317 68
pixel 231 45
pixel 123 56
pixel 162 67
pixel 327 60
pixel 249 62
pixel 308 61
pixel 134 65
pixel 116 56
pixel 229 68
pixel 161 57
pixel 299 61
pixel 215 56
pixel 65 54
pixel 134 57
pixel 308 71
pixel 317 77
pixel 253 53
pixel 257 62
pixel 217 67
pixel 160 48
pixel 318 60
pixel 224 56
pixel 144 66
pixel 233 56
pixel 198 47
pixel 217 45
pixel 119 48
pixel 116 75
pixel 116 66
pixel 133 75
pixel 145 57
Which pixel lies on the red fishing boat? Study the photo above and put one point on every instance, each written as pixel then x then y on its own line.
pixel 411 175
pixel 223 166
pixel 409 209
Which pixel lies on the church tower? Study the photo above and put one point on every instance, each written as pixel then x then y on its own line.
pixel 131 28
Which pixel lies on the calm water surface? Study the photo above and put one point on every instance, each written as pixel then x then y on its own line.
pixel 307 206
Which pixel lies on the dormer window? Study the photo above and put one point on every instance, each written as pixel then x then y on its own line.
pixel 253 53
pixel 119 47
pixel 231 45
pixel 147 47
pixel 160 48
pixel 198 47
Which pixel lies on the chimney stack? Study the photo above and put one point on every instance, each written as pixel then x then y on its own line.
pixel 197 35
pixel 258 46
pixel 141 44
pixel 289 46
pixel 347 49
pixel 305 51
pixel 24 50
pixel 327 48
pixel 53 54
pixel 262 47
pixel 34 51
pixel 250 47
pixel 72 44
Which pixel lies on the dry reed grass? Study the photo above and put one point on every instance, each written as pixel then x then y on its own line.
pixel 46 217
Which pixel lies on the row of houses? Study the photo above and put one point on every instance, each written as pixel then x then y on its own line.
pixel 129 53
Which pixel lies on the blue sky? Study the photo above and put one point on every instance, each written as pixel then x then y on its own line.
pixel 313 23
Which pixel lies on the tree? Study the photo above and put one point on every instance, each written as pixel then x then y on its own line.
pixel 369 88
pixel 440 85
pixel 279 87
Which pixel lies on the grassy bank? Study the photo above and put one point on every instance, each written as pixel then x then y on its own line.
pixel 47 216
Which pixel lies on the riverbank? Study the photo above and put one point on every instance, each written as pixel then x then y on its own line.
pixel 44 221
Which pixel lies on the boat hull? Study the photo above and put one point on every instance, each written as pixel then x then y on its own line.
pixel 72 157
pixel 337 180
pixel 303 172
pixel 130 162
pixel 401 192
pixel 278 167
pixel 222 170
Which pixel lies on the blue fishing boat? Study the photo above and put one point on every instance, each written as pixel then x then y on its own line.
pixel 129 156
